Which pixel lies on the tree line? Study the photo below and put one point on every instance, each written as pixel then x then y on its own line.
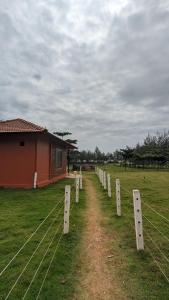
pixel 96 156
pixel 153 152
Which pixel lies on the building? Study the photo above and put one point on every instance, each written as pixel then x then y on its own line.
pixel 30 156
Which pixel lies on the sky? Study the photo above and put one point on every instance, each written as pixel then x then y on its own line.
pixel 97 68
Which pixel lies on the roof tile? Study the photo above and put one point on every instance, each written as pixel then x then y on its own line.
pixel 19 125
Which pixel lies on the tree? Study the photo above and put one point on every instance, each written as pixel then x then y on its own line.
pixel 127 154
pixel 62 133
pixel 71 141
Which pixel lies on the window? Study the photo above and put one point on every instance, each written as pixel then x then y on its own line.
pixel 58 158
pixel 22 143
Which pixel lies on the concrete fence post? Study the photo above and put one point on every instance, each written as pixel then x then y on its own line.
pixel 66 209
pixel 77 189
pixel 138 220
pixel 35 180
pixel 118 197
pixel 81 182
pixel 102 177
pixel 104 180
pixel 109 185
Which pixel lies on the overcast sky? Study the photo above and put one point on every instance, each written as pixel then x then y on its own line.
pixel 98 68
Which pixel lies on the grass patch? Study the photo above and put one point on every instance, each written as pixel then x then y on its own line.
pixel 21 213
pixel 136 270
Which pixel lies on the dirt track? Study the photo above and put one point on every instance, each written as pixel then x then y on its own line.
pixel 96 279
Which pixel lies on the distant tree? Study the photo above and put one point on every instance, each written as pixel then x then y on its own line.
pixel 62 133
pixel 117 155
pixel 71 141
pixel 127 154
pixel 154 151
pixel 98 155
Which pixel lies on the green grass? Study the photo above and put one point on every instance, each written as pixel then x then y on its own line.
pixel 137 270
pixel 21 211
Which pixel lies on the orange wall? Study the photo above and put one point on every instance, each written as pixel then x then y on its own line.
pixel 42 160
pixel 57 172
pixel 17 162
pixel 45 171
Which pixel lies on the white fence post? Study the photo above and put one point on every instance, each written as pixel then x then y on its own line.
pixel 80 170
pixel 100 175
pixel 35 180
pixel 109 185
pixel 66 209
pixel 104 180
pixel 77 189
pixel 81 182
pixel 118 197
pixel 138 220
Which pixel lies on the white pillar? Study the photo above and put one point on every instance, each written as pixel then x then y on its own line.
pixel 109 185
pixel 81 182
pixel 66 209
pixel 102 177
pixel 104 180
pixel 35 180
pixel 77 189
pixel 138 220
pixel 118 197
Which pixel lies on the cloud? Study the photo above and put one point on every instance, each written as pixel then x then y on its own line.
pixel 97 68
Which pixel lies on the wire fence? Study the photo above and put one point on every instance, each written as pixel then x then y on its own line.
pixel 34 252
pixel 30 237
pixel 155 224
pixel 48 243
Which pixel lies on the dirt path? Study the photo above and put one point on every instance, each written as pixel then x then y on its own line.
pixel 96 280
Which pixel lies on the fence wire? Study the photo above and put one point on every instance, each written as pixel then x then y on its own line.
pixel 129 205
pixel 30 237
pixel 25 267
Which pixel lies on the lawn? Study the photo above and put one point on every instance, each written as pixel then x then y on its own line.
pixel 140 272
pixel 21 212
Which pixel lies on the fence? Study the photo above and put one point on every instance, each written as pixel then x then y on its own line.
pixel 56 225
pixel 145 234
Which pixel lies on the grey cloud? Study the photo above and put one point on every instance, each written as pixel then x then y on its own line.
pixel 37 76
pixel 7 29
pixel 97 73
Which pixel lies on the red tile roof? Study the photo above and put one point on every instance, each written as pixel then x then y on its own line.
pixel 19 125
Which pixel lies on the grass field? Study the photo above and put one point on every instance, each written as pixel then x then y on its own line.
pixel 140 271
pixel 21 212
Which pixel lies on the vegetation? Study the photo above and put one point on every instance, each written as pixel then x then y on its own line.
pixel 138 271
pixel 153 152
pixel 23 210
pixel 21 213
pixel 62 133
pixel 89 156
